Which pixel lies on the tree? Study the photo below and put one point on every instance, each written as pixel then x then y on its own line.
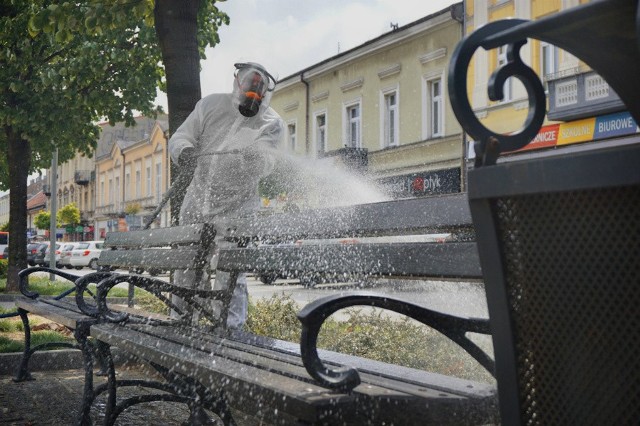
pixel 64 66
pixel 42 220
pixel 69 215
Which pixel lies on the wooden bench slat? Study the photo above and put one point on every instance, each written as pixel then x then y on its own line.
pixel 287 361
pixel 292 390
pixel 158 237
pixel 283 393
pixel 68 316
pixel 445 213
pixel 280 349
pixel 166 259
pixel 455 260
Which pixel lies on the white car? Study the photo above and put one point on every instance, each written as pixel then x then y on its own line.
pixel 65 255
pixel 86 254
pixel 47 254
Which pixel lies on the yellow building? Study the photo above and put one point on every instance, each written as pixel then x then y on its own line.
pixel 383 106
pixel 581 106
pixel 131 175
pixel 75 184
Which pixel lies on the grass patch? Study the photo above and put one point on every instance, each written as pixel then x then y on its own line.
pixel 44 287
pixel 10 344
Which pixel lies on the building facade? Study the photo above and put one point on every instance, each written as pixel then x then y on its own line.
pixel 581 106
pixel 383 107
pixel 132 175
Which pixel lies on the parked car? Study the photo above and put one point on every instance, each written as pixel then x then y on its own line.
pixel 5 253
pixel 32 251
pixel 86 254
pixel 38 258
pixel 47 254
pixel 65 255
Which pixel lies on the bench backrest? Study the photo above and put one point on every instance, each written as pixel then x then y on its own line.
pixel 381 239
pixel 175 248
pixel 559 244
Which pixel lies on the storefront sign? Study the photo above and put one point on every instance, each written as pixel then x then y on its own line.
pixel 586 130
pixel 576 131
pixel 422 184
pixel 612 125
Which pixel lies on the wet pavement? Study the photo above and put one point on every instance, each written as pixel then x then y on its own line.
pixel 54 398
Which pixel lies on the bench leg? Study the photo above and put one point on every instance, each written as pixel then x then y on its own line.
pixel 23 371
pixel 81 334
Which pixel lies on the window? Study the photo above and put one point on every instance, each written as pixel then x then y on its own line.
pixel 291 133
pixel 435 110
pixel 390 119
pixel 548 59
pixel 127 182
pixel 102 192
pixel 147 177
pixel 111 190
pixel 321 132
pixel 158 181
pixel 138 179
pixel 116 190
pixel 502 60
pixel 353 126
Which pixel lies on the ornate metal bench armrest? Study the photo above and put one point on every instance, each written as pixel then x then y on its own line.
pixel 82 287
pixel 346 378
pixel 156 287
pixel 24 282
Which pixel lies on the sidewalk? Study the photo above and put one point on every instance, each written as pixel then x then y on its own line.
pixel 54 398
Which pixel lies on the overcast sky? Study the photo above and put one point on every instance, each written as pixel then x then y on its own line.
pixel 287 36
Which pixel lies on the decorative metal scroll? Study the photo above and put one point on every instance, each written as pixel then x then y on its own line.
pixel 345 378
pixel 604 34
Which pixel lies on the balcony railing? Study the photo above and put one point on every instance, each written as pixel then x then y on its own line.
pixel 579 95
pixel 83 177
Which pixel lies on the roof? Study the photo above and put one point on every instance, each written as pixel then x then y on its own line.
pixel 37 201
pixel 126 136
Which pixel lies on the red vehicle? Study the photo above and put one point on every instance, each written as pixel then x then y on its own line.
pixel 4 244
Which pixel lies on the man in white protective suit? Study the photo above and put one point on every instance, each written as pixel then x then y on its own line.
pixel 229 141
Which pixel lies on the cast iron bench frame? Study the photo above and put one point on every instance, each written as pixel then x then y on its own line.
pixel 221 367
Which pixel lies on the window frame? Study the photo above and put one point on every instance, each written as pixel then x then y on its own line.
pixel 321 146
pixel 385 119
pixel 348 122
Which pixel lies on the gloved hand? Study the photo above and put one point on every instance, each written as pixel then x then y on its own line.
pixel 187 158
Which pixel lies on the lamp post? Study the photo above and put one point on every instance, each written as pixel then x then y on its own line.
pixel 54 212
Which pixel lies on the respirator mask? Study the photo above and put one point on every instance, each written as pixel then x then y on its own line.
pixel 252 87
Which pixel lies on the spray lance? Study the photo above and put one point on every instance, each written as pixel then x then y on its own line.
pixel 183 180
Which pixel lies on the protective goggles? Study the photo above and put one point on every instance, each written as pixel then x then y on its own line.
pixel 254 81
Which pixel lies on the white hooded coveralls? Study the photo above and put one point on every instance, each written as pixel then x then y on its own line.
pixel 225 185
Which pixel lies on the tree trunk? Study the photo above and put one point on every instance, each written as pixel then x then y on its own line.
pixel 19 160
pixel 176 23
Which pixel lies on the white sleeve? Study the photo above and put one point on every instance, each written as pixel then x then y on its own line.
pixel 188 134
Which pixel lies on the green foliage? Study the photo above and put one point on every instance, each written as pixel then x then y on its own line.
pixel 8 344
pixel 4 264
pixel 4 227
pixel 274 317
pixel 71 64
pixel 369 334
pixel 42 220
pixel 69 215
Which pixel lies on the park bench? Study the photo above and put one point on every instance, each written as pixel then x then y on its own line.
pixel 235 374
